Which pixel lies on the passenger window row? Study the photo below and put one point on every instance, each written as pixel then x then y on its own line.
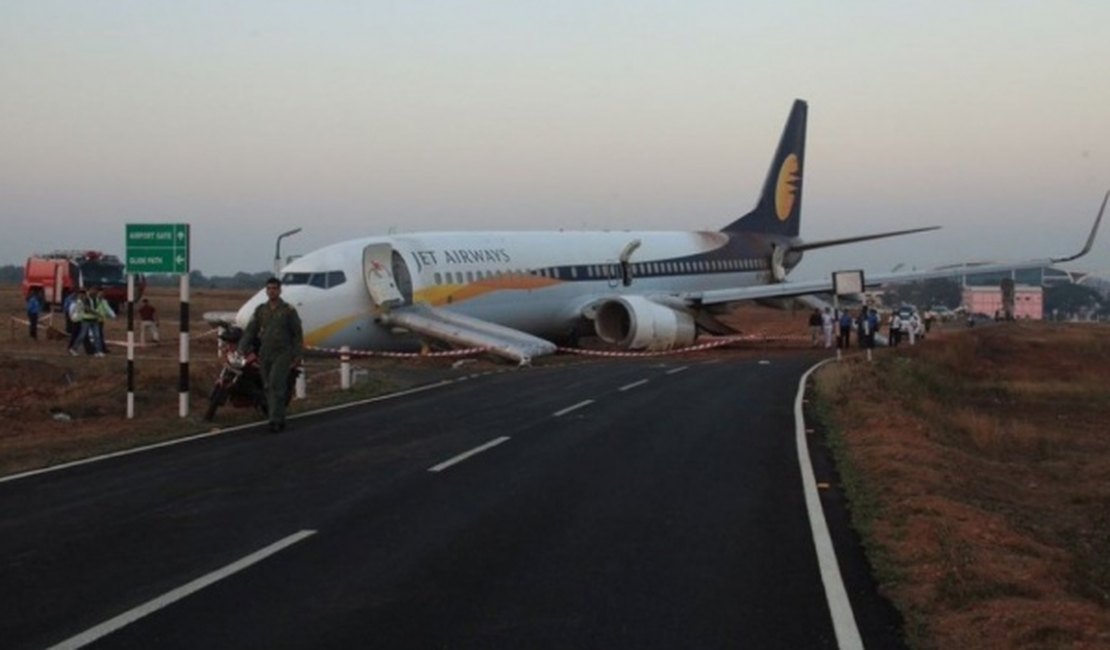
pixel 606 270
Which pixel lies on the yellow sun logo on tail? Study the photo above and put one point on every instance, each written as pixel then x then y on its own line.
pixel 786 190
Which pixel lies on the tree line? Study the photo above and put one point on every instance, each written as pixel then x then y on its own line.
pixel 12 274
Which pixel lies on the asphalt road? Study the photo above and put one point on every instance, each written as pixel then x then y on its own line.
pixel 622 504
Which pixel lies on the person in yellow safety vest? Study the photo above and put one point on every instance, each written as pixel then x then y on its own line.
pixel 101 311
pixel 84 320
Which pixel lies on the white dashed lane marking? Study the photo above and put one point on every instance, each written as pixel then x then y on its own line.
pixel 467 454
pixel 132 615
pixel 575 407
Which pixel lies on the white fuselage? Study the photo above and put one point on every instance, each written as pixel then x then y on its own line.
pixel 538 282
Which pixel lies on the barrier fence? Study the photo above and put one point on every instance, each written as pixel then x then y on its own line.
pixel 345 354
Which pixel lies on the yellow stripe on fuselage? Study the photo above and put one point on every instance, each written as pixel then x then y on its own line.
pixel 447 294
pixel 322 334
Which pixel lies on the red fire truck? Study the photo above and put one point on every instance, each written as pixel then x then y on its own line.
pixel 61 272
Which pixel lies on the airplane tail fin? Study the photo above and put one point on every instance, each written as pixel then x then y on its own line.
pixel 780 205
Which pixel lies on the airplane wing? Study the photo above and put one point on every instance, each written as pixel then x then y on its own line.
pixel 809 287
pixel 220 318
pixel 778 290
pixel 788 289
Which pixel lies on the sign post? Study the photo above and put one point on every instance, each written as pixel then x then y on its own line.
pixel 158 248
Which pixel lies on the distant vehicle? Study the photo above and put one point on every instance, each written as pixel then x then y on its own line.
pixel 62 272
pixel 910 318
pixel 943 312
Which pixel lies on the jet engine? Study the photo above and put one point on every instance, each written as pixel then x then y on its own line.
pixel 636 323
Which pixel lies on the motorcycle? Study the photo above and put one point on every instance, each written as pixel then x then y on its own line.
pixel 240 379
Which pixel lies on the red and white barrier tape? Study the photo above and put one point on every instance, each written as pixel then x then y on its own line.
pixel 715 342
pixel 465 352
pixel 710 344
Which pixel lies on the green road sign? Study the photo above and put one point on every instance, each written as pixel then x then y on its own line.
pixel 158 248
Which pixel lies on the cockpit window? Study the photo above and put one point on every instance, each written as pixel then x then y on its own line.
pixel 324 280
pixel 295 278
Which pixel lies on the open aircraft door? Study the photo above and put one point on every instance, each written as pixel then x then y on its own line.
pixel 377 271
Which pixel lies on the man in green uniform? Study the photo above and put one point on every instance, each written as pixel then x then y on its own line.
pixel 278 328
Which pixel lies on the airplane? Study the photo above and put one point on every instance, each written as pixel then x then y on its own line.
pixel 518 293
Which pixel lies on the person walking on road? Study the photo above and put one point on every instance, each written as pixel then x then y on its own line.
pixel 278 328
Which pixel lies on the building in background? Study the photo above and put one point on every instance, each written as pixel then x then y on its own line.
pixel 1028 301
pixel 1042 276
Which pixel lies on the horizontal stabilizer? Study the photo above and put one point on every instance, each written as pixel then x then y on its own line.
pixel 459 329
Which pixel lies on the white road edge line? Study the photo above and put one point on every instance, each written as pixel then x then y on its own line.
pixel 677 370
pixel 840 607
pixel 467 454
pixel 221 431
pixel 633 385
pixel 130 616
pixel 575 407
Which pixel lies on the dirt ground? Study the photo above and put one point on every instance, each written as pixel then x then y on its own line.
pixel 977 463
pixel 57 408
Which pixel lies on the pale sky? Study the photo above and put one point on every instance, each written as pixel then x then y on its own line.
pixel 246 119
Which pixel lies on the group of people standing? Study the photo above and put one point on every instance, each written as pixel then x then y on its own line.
pixel 86 311
pixel 866 323
pixel 904 327
pixel 823 323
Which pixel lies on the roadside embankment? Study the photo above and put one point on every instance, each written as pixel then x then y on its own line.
pixel 978 470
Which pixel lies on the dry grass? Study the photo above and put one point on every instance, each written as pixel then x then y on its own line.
pixel 978 467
